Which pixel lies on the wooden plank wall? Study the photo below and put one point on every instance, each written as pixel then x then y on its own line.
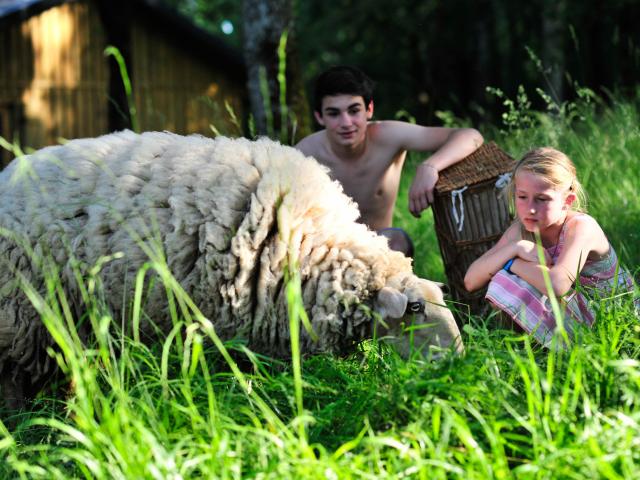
pixel 14 77
pixel 177 92
pixel 53 67
pixel 54 75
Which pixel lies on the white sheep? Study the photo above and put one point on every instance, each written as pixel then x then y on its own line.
pixel 231 215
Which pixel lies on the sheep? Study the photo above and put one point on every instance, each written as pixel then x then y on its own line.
pixel 232 216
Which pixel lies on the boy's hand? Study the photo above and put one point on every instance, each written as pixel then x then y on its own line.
pixel 421 191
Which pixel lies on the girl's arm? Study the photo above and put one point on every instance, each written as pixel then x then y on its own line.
pixel 583 235
pixel 509 246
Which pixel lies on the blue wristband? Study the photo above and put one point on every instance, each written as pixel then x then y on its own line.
pixel 507 266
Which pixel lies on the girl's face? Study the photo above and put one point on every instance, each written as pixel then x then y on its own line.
pixel 540 205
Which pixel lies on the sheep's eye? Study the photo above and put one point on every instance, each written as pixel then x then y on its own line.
pixel 415 307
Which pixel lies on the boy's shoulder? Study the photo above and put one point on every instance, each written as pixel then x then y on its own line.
pixel 312 143
pixel 312 137
pixel 389 130
pixel 390 125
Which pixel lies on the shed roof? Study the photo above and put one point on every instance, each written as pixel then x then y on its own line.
pixel 486 163
pixel 174 25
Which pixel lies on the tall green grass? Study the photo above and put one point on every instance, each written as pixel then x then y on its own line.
pixel 126 83
pixel 190 406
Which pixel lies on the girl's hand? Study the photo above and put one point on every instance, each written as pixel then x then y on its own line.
pixel 528 251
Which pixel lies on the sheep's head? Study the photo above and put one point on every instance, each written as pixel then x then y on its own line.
pixel 414 316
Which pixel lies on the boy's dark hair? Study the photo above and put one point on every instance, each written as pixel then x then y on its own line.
pixel 342 80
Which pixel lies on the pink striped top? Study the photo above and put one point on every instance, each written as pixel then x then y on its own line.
pixel 532 310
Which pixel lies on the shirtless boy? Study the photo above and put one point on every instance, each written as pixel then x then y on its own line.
pixel 367 157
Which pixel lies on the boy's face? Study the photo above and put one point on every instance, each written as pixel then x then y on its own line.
pixel 345 119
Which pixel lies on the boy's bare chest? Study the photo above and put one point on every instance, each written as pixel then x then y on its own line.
pixel 372 184
pixel 368 175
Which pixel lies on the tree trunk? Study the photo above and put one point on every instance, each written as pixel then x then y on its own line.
pixel 286 118
pixel 553 46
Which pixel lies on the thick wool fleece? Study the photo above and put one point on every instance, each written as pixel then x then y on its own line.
pixel 230 215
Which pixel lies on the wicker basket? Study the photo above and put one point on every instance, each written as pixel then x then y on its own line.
pixel 471 213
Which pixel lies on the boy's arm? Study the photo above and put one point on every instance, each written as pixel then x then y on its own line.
pixel 459 144
pixel 450 145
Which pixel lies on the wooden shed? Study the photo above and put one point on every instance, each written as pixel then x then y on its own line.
pixel 56 82
pixel 471 212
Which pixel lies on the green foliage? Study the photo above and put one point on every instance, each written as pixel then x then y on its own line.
pixel 439 56
pixel 124 73
pixel 285 113
pixel 229 113
pixel 183 409
pixel 518 116
pixel 281 123
pixel 211 15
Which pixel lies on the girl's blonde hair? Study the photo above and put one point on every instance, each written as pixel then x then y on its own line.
pixel 556 168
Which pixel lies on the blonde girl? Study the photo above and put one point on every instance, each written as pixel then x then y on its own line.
pixel 549 200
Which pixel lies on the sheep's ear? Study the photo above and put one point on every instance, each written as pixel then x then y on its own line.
pixel 443 286
pixel 391 303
